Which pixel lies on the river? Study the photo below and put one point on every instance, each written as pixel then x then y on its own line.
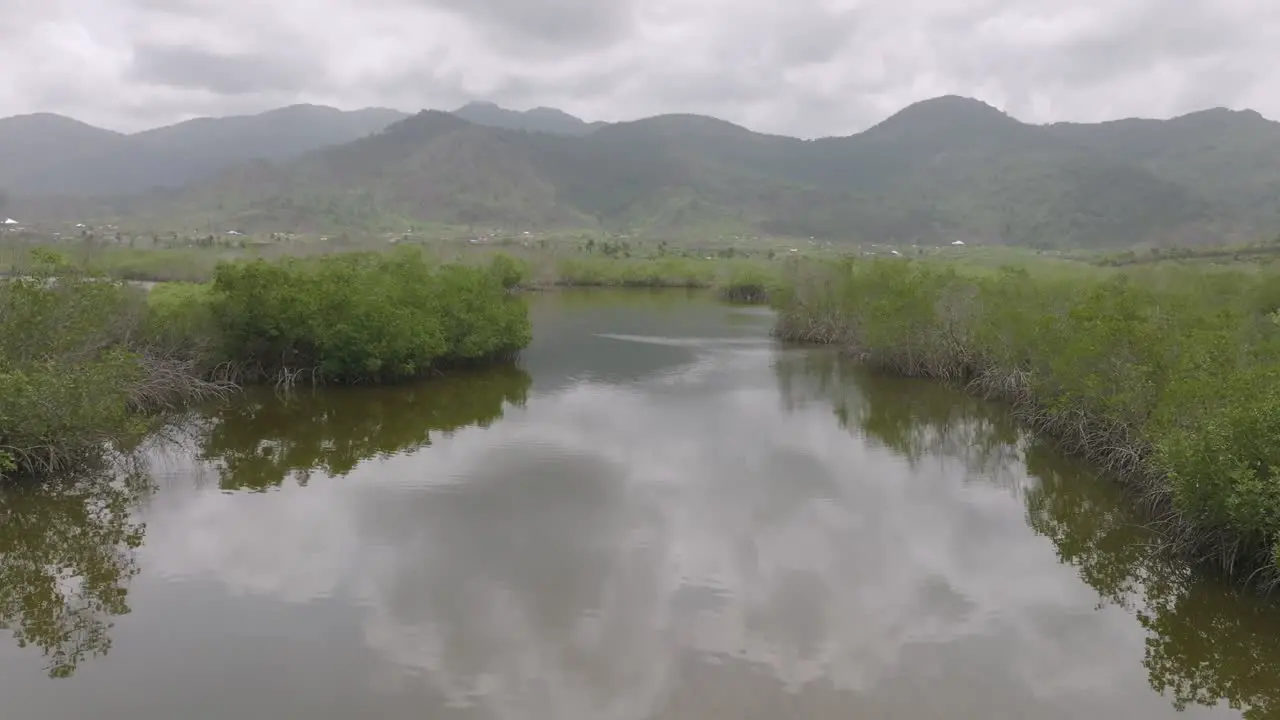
pixel 660 515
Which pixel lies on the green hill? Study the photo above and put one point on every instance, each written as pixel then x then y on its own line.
pixel 539 119
pixel 939 170
pixel 51 155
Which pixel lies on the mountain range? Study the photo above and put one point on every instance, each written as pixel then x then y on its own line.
pixel 942 169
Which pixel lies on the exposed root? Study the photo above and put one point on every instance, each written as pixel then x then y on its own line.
pixel 174 380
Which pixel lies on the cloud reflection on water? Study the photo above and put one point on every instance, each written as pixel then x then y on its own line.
pixel 677 546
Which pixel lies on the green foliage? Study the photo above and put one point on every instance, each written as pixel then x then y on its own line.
pixel 364 317
pixel 508 270
pixel 749 284
pixel 83 360
pixel 620 272
pixel 68 372
pixel 1171 376
pixel 1205 643
pixel 181 317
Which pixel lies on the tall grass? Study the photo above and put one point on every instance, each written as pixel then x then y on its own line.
pixel 1170 379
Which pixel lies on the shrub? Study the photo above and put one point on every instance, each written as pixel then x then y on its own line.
pixel 508 270
pixel 747 284
pixel 1169 377
pixel 75 371
pixel 364 317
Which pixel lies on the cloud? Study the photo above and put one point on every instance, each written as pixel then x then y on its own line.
pixel 806 67
pixel 565 25
pixel 222 74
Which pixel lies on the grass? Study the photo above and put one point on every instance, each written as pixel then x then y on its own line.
pixel 541 263
pixel 1169 377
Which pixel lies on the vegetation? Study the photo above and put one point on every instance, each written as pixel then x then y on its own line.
pixel 1258 253
pixel 364 317
pixel 1170 378
pixel 86 361
pixel 79 369
pixel 1205 644
pixel 940 170
pixel 749 284
pixel 604 272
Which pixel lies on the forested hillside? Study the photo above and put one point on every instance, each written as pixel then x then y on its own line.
pixel 943 169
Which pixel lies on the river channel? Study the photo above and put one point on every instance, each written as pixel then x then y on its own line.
pixel 660 514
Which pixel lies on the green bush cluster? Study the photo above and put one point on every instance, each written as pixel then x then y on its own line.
pixel 85 361
pixel 748 284
pixel 1171 376
pixel 71 371
pixel 364 317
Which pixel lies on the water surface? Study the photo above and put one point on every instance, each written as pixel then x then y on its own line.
pixel 659 515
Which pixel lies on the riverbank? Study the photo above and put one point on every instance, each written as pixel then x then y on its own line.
pixel 86 364
pixel 1168 378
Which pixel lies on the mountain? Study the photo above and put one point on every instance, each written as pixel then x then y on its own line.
pixel 30 142
pixel 942 169
pixel 1230 158
pixel 47 154
pixel 539 119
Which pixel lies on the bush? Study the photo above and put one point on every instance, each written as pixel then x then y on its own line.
pixel 181 317
pixel 75 371
pixel 748 284
pixel 1170 377
pixel 508 270
pixel 363 317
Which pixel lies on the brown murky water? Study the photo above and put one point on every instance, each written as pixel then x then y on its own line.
pixel 660 515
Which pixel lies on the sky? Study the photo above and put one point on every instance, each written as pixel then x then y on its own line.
pixel 799 67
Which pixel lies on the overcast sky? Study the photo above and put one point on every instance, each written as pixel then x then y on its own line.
pixel 802 67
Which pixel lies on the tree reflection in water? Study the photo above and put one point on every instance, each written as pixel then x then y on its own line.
pixel 1206 643
pixel 258 440
pixel 66 559
pixel 67 548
